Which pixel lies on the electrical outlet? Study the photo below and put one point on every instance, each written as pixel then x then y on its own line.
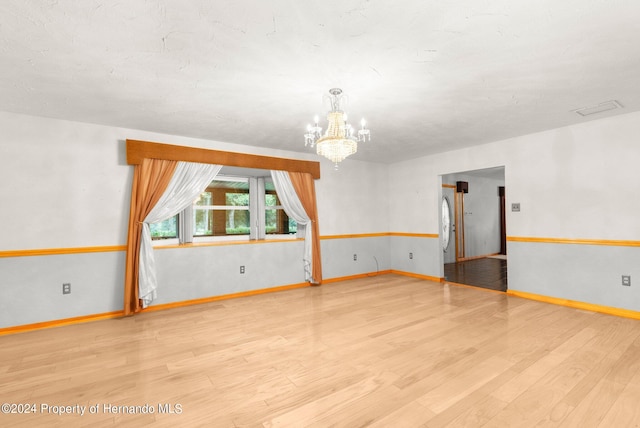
pixel 355 257
pixel 241 269
pixel 410 256
pixel 626 280
pixel 66 288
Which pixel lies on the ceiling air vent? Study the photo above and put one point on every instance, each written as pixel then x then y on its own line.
pixel 602 107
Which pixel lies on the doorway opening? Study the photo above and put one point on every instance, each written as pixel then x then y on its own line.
pixel 473 228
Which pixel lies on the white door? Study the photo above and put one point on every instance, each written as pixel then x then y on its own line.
pixel 448 225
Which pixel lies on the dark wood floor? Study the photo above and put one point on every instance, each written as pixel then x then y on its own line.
pixel 486 273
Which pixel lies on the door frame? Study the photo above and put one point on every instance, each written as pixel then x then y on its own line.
pixel 503 220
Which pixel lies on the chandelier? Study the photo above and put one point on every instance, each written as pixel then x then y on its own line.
pixel 340 140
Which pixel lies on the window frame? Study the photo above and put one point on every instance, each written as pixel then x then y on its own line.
pixel 216 207
pixel 171 240
pixel 257 217
pixel 276 207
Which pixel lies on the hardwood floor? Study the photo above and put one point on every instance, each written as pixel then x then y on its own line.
pixel 385 351
pixel 486 272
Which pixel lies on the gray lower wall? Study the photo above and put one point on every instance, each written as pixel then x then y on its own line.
pixel 31 287
pixel 584 273
pixel 337 256
pixel 426 255
pixel 198 272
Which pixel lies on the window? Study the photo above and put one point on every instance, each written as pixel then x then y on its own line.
pixel 167 229
pixel 231 207
pixel 223 208
pixel 277 222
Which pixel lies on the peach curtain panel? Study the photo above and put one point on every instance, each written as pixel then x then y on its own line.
pixel 304 186
pixel 150 180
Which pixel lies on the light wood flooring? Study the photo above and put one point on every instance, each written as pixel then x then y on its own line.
pixel 385 351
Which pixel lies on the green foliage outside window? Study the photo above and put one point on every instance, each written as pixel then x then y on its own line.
pixel 165 229
pixel 237 220
pixel 271 217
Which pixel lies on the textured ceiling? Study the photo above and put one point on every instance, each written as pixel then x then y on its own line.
pixel 429 76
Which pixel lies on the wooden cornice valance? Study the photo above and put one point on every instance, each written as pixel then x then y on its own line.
pixel 138 150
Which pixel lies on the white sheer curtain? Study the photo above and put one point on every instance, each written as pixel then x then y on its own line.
pixel 187 182
pixel 294 209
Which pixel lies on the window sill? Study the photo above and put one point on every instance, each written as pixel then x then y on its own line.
pixel 227 242
pixel 164 242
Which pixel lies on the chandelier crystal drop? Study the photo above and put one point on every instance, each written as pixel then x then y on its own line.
pixel 340 140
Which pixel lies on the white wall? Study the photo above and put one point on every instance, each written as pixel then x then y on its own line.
pixel 67 185
pixel 354 199
pixel 576 182
pixel 417 188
